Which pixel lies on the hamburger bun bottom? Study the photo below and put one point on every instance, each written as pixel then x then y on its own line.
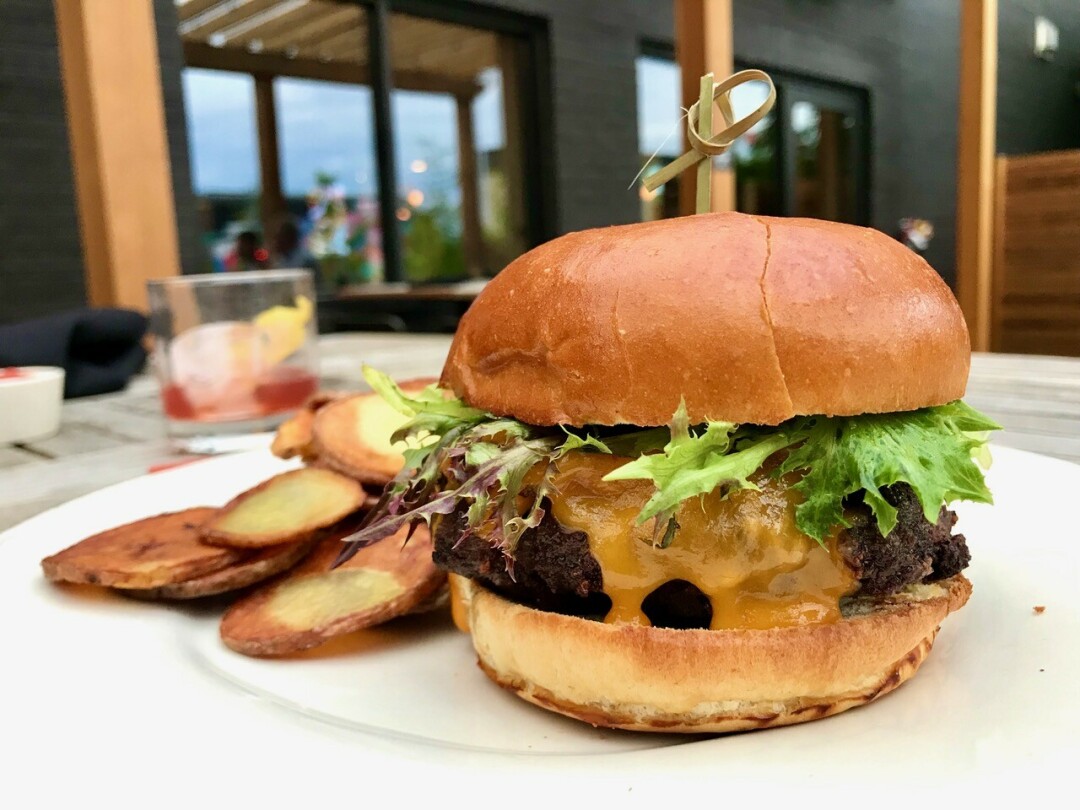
pixel 652 679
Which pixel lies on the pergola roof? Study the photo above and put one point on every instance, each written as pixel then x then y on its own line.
pixel 328 40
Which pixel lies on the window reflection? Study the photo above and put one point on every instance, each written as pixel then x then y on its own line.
pixel 326 142
pixel 756 155
pixel 824 183
pixel 280 99
pixel 459 173
pixel 660 131
pixel 220 110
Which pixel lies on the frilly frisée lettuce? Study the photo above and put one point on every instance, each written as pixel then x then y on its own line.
pixel 457 454
pixel 933 450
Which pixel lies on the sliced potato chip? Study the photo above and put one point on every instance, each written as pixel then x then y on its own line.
pixel 293 437
pixel 286 508
pixel 315 604
pixel 353 434
pixel 256 566
pixel 148 553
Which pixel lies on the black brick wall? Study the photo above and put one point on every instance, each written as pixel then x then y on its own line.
pixel 1038 108
pixel 40 254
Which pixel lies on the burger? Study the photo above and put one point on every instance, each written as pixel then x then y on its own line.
pixel 694 475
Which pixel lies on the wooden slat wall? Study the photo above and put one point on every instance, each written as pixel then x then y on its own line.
pixel 1036 307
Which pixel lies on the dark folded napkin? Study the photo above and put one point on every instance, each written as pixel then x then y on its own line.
pixel 99 349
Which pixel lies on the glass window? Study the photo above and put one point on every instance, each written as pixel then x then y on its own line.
pixel 824 179
pixel 281 105
pixel 458 142
pixel 755 155
pixel 429 185
pixel 660 131
pixel 286 123
pixel 326 143
pixel 220 110
pixel 661 126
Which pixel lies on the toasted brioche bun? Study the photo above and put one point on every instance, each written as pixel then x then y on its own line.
pixel 750 319
pixel 649 679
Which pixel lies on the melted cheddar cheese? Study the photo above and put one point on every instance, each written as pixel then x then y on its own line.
pixel 743 552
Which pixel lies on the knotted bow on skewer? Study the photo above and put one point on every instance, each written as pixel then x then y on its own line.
pixel 704 144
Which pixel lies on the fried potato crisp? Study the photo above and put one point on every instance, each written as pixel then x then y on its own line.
pixel 254 567
pixel 353 434
pixel 148 553
pixel 315 604
pixel 286 508
pixel 293 437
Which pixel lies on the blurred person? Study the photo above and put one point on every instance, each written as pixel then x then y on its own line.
pixel 249 252
pixel 289 250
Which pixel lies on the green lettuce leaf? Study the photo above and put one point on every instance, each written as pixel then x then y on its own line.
pixel 433 416
pixel 457 453
pixel 934 450
pixel 432 401
pixel 931 449
pixel 575 442
pixel 697 463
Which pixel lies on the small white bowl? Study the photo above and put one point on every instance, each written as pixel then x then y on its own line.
pixel 30 404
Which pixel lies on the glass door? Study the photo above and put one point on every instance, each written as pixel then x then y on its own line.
pixel 824 165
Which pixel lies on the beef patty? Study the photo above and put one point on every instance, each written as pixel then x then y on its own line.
pixel 555 571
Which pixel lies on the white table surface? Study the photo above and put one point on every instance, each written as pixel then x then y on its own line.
pixel 111 438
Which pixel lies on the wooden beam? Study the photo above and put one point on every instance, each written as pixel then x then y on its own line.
pixel 213 20
pixel 975 166
pixel 116 126
pixel 271 200
pixel 472 241
pixel 197 54
pixel 193 7
pixel 703 43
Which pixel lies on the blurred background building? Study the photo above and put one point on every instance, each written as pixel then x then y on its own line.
pixel 435 140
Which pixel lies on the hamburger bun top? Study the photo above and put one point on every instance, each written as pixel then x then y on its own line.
pixel 748 319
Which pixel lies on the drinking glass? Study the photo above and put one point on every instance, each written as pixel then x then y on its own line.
pixel 235 354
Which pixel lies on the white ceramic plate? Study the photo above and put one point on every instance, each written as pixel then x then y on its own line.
pixel 110 701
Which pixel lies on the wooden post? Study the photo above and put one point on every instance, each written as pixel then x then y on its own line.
pixel 271 200
pixel 975 166
pixel 703 43
pixel 997 266
pixel 471 236
pixel 116 125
